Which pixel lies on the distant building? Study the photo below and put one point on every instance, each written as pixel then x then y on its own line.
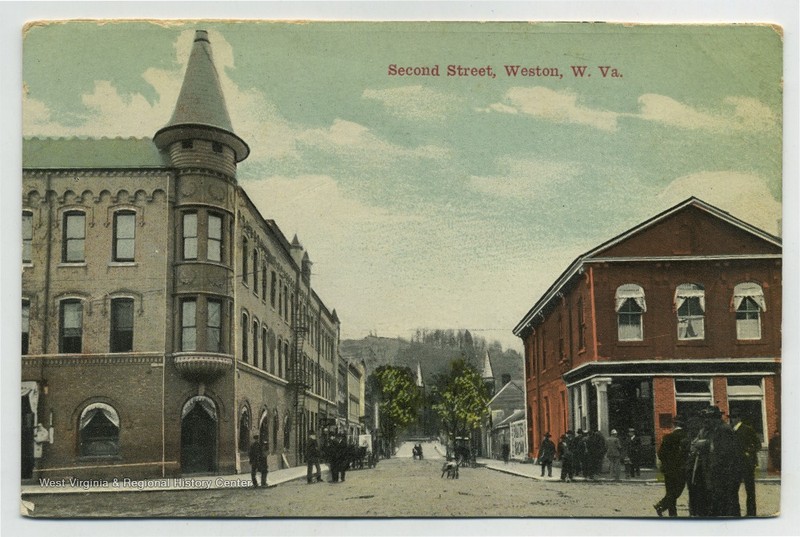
pixel 165 321
pixel 505 407
pixel 681 312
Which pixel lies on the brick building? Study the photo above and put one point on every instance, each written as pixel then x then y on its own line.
pixel 681 312
pixel 165 321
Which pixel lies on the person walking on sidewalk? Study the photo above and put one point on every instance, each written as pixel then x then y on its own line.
pixel 547 451
pixel 633 454
pixel 258 461
pixel 566 457
pixel 312 459
pixel 673 454
pixel 614 453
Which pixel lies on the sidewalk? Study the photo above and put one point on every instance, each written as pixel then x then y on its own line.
pixel 534 471
pixel 204 482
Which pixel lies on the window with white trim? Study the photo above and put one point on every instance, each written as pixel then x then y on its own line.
pixel 121 325
pixel 214 243
pixel 189 324
pixel 748 302
pixel 190 235
pixel 74 237
pixel 70 339
pixel 27 236
pixel 630 305
pixel 214 326
pixel 99 431
pixel 124 235
pixel 690 305
pixel 692 395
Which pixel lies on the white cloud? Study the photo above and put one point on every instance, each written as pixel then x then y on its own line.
pixel 355 140
pixel 738 113
pixel 524 178
pixel 743 195
pixel 412 102
pixel 556 106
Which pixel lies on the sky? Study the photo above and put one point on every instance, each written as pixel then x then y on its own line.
pixel 445 201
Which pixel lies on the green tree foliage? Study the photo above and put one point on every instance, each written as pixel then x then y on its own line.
pixel 398 397
pixel 460 399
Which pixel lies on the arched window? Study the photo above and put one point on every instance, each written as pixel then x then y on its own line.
pixel 630 304
pixel 244 429
pixel 264 343
pixel 99 431
pixel 690 305
pixel 255 341
pixel 255 272
pixel 748 303
pixel 263 428
pixel 245 254
pixel 245 329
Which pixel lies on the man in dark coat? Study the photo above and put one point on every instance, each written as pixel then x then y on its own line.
pixel 258 461
pixel 596 452
pixel 579 453
pixel 633 454
pixel 775 451
pixel 750 444
pixel 566 457
pixel 312 459
pixel 547 451
pixel 673 453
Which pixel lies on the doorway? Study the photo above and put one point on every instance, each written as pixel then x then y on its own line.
pixel 199 437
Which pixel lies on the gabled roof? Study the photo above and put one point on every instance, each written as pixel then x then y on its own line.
pixel 577 266
pixel 515 416
pixel 511 385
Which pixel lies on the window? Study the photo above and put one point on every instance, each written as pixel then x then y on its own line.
pixel 748 302
pixel 275 424
pixel 245 328
pixel 630 305
pixel 190 236
pixel 71 336
pixel 124 235
pixel 264 280
pixel 27 236
pixel 245 254
pixel 273 290
pixel 214 326
pixel 264 348
pixel 121 325
pixel 74 237
pixel 255 272
pixel 214 238
pixel 280 358
pixel 26 314
pixel 690 303
pixel 99 431
pixel 581 326
pixel 255 342
pixel 189 325
pixel 692 395
pixel 216 147
pixel 244 430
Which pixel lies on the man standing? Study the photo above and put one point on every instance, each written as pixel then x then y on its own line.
pixel 614 453
pixel 566 457
pixel 633 452
pixel 258 461
pixel 673 453
pixel 312 459
pixel 547 451
pixel 750 445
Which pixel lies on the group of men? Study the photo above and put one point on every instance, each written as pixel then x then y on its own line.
pixel 337 452
pixel 711 459
pixel 583 454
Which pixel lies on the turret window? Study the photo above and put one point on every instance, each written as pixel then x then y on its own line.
pixel 214 237
pixel 190 236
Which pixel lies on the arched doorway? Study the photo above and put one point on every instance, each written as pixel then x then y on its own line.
pixel 199 436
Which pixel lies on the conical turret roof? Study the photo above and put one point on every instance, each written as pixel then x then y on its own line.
pixel 487 367
pixel 201 104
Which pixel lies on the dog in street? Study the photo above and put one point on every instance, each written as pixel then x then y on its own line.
pixel 450 468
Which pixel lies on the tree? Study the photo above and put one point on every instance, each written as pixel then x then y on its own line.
pixel 398 397
pixel 461 400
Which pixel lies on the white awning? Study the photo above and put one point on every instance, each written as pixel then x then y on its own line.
pixel 681 294
pixel 204 402
pixel 95 408
pixel 624 292
pixel 749 290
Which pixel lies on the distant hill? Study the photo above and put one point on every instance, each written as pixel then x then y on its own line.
pixel 434 350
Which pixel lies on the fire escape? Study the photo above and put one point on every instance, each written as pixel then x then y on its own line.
pixel 298 379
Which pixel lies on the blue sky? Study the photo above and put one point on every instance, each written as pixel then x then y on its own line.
pixel 445 201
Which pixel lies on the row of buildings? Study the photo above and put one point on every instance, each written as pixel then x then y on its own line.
pixel 676 314
pixel 165 321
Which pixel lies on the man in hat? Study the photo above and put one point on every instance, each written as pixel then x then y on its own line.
pixel 614 453
pixel 673 453
pixel 258 460
pixel 750 444
pixel 547 452
pixel 566 457
pixel 633 454
pixel 312 459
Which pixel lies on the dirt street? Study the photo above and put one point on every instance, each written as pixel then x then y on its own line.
pixel 395 488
